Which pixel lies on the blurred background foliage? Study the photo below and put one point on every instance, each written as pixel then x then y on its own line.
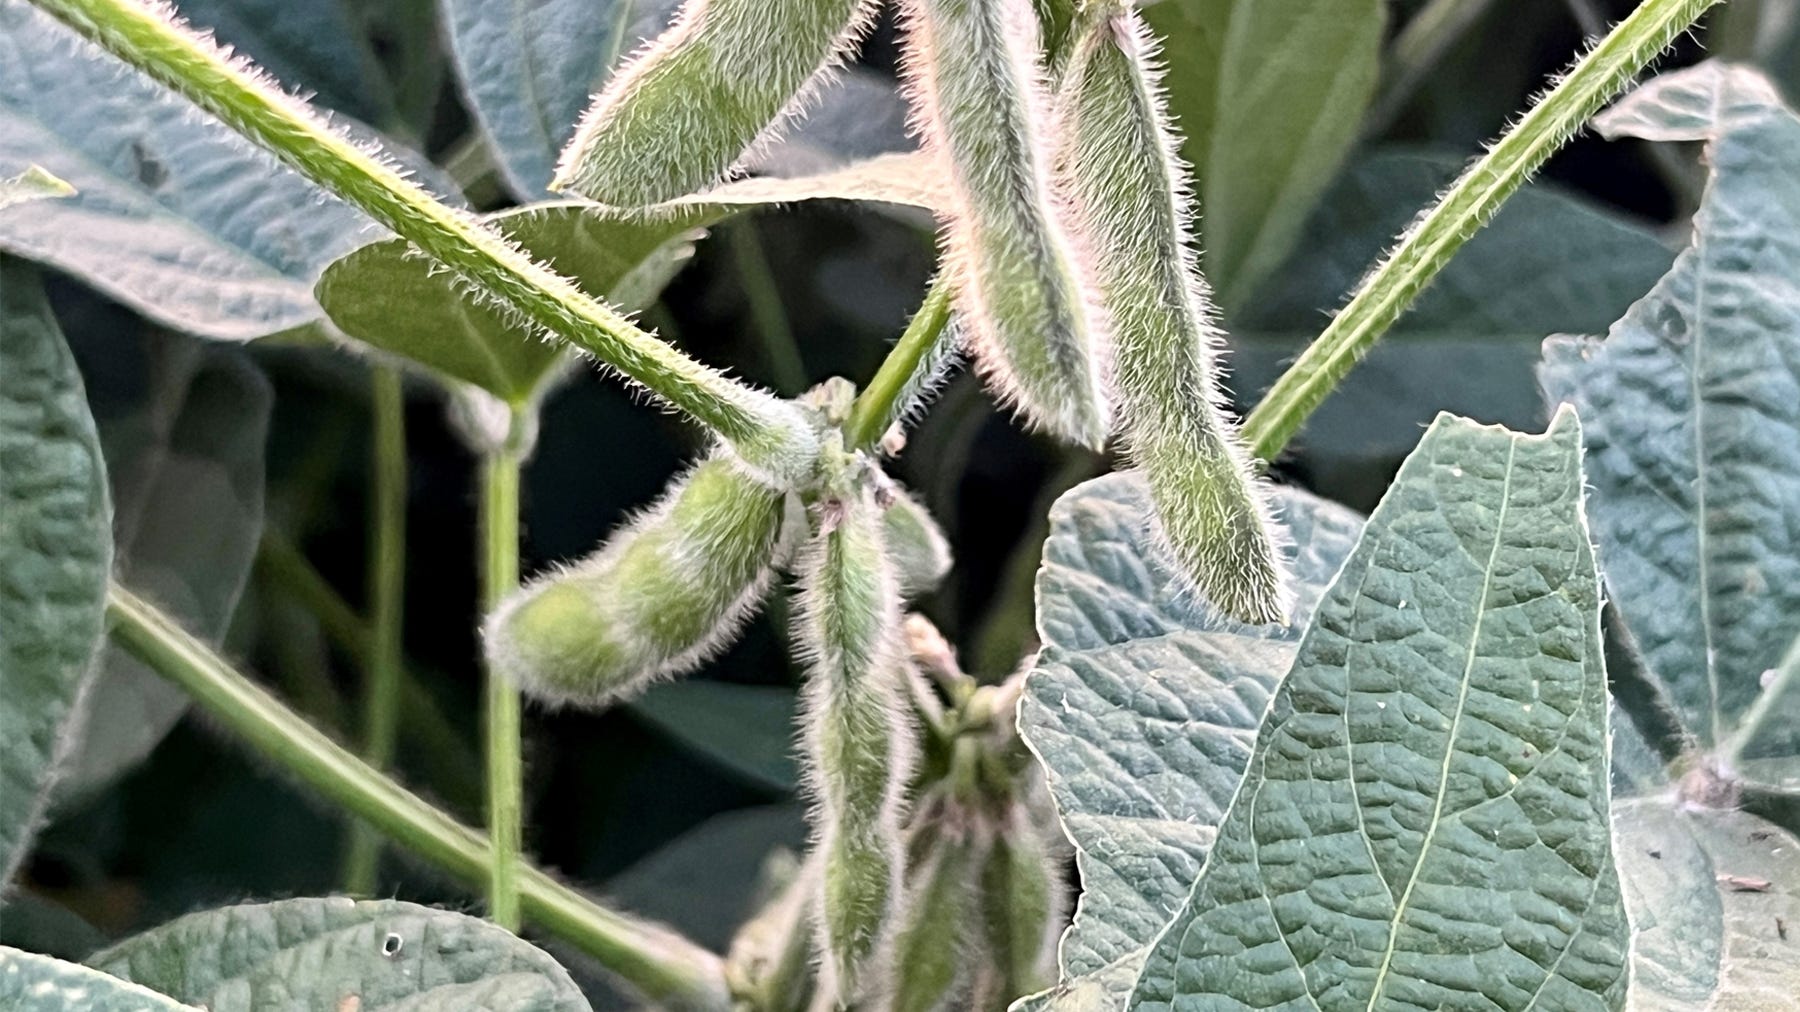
pixel 224 452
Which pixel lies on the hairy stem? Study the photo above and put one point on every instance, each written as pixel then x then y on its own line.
pixel 1460 213
pixel 387 588
pixel 910 367
pixel 505 776
pixel 662 964
pixel 768 432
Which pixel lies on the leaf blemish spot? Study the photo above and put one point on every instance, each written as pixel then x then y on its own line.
pixel 392 944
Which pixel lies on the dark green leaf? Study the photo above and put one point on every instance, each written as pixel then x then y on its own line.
pixel 323 953
pixel 1424 819
pixel 33 983
pixel 708 881
pixel 55 554
pixel 747 729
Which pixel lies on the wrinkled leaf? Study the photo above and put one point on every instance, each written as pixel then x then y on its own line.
pixel 176 216
pixel 32 184
pixel 389 297
pixel 1692 405
pixel 747 729
pixel 1270 95
pixel 55 555
pixel 1424 819
pixel 184 427
pixel 1145 702
pixel 318 953
pixel 33 983
pixel 1700 941
pixel 529 68
pixel 1549 262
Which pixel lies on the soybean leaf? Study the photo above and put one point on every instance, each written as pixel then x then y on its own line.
pixel 176 216
pixel 1270 94
pixel 55 554
pixel 1144 702
pixel 1692 405
pixel 387 296
pixel 857 115
pixel 32 184
pixel 184 426
pixel 312 44
pixel 1549 262
pixel 747 729
pixel 336 953
pixel 1711 893
pixel 708 881
pixel 33 983
pixel 1424 819
pixel 529 68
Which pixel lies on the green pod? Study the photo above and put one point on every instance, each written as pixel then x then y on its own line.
pixel 665 592
pixel 1022 901
pixel 919 549
pixel 1127 184
pixel 860 739
pixel 685 110
pixel 938 956
pixel 980 107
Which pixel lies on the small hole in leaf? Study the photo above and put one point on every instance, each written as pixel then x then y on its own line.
pixel 390 946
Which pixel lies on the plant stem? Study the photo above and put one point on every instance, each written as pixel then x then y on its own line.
pixel 662 964
pixel 387 589
pixel 768 432
pixel 1782 686
pixel 505 769
pixel 766 311
pixel 909 368
pixel 1463 210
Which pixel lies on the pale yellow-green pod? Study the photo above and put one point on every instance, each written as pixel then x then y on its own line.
pixel 665 592
pixel 685 110
pixel 1128 190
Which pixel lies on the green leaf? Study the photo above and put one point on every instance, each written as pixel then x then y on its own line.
pixel 1711 894
pixel 34 983
pixel 1549 262
pixel 528 70
pixel 747 729
pixel 32 184
pixel 388 296
pixel 1692 405
pixel 1145 702
pixel 1270 94
pixel 324 953
pixel 1424 819
pixel 55 555
pixel 176 216
pixel 183 425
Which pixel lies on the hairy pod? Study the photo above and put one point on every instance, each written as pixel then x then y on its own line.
pixel 665 592
pixel 1022 903
pixel 939 955
pixel 1117 153
pixel 769 967
pixel 920 552
pixel 860 738
pixel 980 107
pixel 685 109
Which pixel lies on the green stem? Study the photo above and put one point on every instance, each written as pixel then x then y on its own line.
pixel 662 964
pixel 766 311
pixel 505 776
pixel 1782 686
pixel 767 431
pixel 909 366
pixel 1464 208
pixel 387 589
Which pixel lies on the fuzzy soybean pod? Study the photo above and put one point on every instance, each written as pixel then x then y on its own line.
pixel 938 954
pixel 665 592
pixel 1022 899
pixel 1017 270
pixel 860 739
pixel 1118 157
pixel 685 110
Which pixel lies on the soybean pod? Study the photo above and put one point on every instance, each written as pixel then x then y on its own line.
pixel 683 112
pixel 980 106
pixel 664 593
pixel 1118 157
pixel 860 738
